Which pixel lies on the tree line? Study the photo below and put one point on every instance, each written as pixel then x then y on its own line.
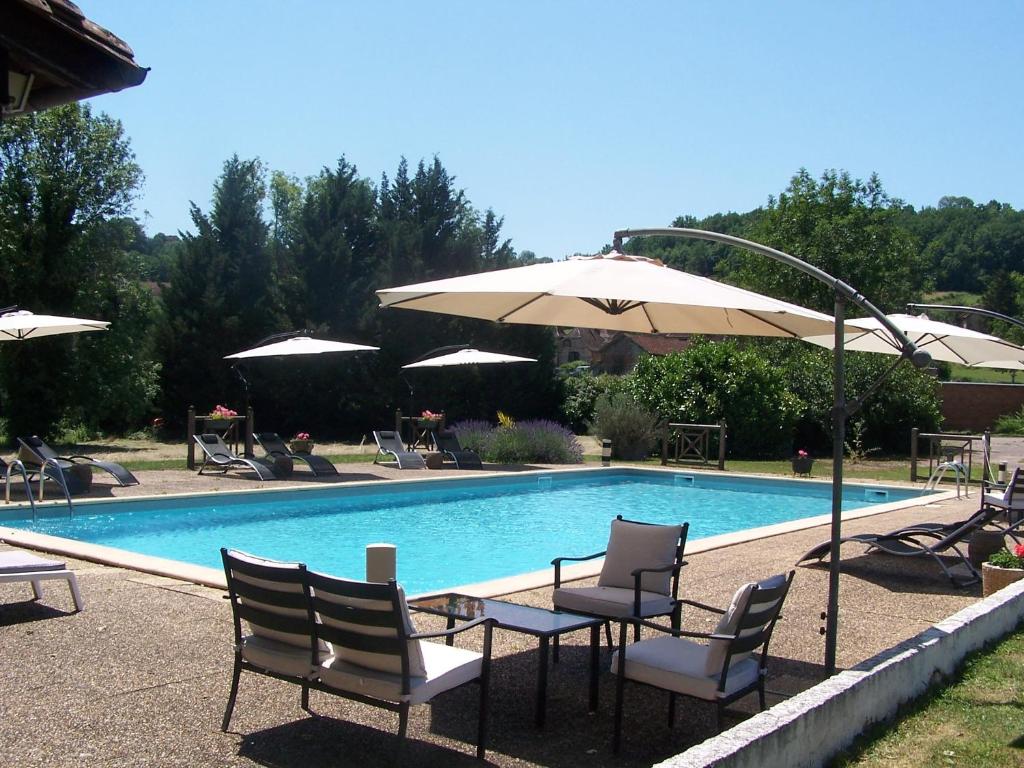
pixel 276 253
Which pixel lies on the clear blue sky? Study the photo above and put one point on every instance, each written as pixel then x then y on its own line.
pixel 572 119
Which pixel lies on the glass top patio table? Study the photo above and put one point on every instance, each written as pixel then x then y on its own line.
pixel 539 622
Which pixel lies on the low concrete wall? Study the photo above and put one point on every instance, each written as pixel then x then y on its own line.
pixel 975 407
pixel 813 726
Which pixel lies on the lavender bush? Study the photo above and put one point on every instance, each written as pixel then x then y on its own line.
pixel 534 441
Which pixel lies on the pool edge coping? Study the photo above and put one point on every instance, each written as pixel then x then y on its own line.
pixel 214 577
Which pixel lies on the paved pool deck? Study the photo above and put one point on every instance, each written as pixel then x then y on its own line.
pixel 140 677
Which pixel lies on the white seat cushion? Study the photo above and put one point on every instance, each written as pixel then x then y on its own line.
pixel 275 656
pixel 1016 501
pixel 615 602
pixel 637 545
pixel 19 561
pixel 447 667
pixel 676 664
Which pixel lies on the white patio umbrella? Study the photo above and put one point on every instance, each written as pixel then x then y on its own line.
pixel 614 292
pixel 943 341
pixel 469 357
pixel 299 345
pixel 20 325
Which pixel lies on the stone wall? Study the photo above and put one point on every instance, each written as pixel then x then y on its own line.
pixel 975 407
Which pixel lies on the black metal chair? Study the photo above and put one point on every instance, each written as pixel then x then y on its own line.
pixel 639 578
pixel 273 599
pixel 380 659
pixel 276 448
pixel 217 454
pixel 722 669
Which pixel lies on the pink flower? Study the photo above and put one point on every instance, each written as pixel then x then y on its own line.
pixel 301 436
pixel 1019 550
pixel 223 412
pixel 802 453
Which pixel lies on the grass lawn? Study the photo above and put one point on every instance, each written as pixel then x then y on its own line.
pixel 973 720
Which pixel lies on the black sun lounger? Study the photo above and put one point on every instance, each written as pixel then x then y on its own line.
pixel 215 452
pixel 922 540
pixel 275 447
pixel 389 444
pixel 448 443
pixel 36 452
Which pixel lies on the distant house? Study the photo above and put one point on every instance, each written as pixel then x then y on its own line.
pixel 613 351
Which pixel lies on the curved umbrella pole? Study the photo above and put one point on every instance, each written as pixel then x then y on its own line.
pixel 841 410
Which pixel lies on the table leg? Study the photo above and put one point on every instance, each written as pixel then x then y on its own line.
pixel 595 654
pixel 451 623
pixel 542 682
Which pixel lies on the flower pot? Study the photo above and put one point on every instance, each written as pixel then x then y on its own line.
pixel 219 425
pixel 301 446
pixel 428 423
pixel 802 465
pixel 994 578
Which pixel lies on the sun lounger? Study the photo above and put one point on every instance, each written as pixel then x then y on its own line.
pixel 389 444
pixel 275 447
pixel 923 540
pixel 215 452
pixel 35 452
pixel 18 565
pixel 447 442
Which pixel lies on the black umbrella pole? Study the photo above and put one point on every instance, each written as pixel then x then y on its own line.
pixel 838 440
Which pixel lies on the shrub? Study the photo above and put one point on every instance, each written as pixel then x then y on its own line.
pixel 539 441
pixel 580 394
pixel 631 427
pixel 710 381
pixel 472 433
pixel 1011 423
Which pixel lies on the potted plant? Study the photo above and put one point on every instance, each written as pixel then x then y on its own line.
pixel 428 420
pixel 301 443
pixel 1002 569
pixel 802 463
pixel 220 419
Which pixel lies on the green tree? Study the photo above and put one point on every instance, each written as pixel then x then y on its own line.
pixel 849 228
pixel 710 381
pixel 67 185
pixel 223 294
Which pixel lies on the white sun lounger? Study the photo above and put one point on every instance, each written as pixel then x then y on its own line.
pixel 18 565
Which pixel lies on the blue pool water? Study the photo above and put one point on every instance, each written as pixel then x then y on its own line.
pixel 447 532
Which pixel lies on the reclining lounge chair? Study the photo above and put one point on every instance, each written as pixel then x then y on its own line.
pixel 17 565
pixel 447 442
pixel 35 452
pixel 924 540
pixel 276 448
pixel 389 444
pixel 215 452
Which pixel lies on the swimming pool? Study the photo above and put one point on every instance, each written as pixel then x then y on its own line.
pixel 448 532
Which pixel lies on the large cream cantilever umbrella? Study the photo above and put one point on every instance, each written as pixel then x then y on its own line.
pixel 20 325
pixel 943 341
pixel 614 292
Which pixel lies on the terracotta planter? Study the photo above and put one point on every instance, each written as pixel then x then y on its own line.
pixel 994 578
pixel 301 446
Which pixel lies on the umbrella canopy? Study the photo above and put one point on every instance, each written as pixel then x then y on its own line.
pixel 469 357
pixel 614 292
pixel 299 345
pixel 22 324
pixel 943 341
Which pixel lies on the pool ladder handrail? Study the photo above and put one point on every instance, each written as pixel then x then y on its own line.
pixel 20 466
pixel 62 481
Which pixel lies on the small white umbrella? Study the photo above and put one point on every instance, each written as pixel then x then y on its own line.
pixel 943 341
pixel 299 345
pixel 469 357
pixel 611 291
pixel 22 324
